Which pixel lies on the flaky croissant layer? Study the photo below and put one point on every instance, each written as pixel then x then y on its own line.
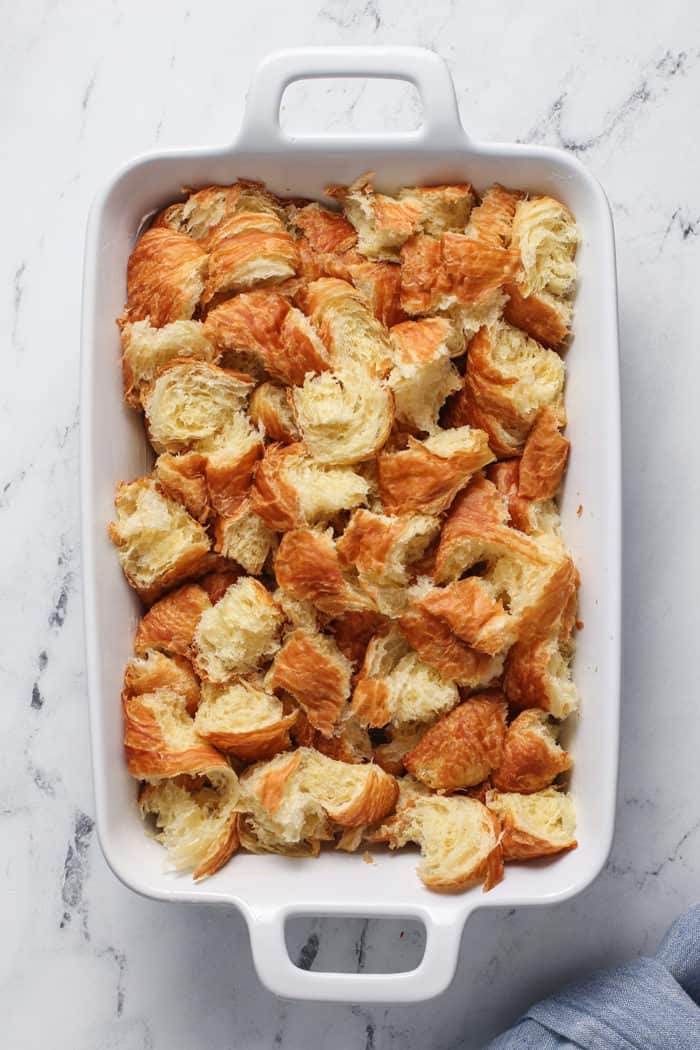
pixel 359 606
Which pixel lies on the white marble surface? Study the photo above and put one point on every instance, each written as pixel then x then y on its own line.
pixel 85 964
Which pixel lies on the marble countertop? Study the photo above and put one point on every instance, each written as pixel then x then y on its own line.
pixel 85 963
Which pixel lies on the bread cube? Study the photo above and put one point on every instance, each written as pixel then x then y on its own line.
pixel 427 475
pixel 509 379
pixel 197 823
pixel 158 543
pixel 238 634
pixel 463 747
pixel 243 537
pixel 291 489
pixel 534 825
pixel 395 686
pixel 308 568
pixel 164 278
pixel 170 623
pixel 458 839
pixel 532 758
pixel 244 719
pixel 312 669
pixel 145 350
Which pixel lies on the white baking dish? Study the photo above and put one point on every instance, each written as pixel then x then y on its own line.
pixel 267 889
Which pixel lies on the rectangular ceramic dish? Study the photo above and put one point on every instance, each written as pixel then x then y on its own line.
pixel 270 889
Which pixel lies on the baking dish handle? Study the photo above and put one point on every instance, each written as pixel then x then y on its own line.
pixel 424 69
pixel 431 977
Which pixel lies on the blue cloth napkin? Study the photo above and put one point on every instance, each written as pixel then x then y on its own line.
pixel 649 1004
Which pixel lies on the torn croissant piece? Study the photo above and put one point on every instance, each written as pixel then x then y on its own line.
pixel 158 544
pixel 205 209
pixel 298 799
pixel 160 738
pixel 427 475
pixel 349 330
pixel 440 208
pixel 395 686
pixel 509 379
pixel 263 324
pixel 380 284
pixel 382 223
pixel 244 719
pixel 425 341
pixel 193 405
pixel 301 351
pixel 156 670
pixel 541 594
pixel 314 265
pixel 308 567
pixel 425 283
pixel 544 317
pixel 456 271
pixel 534 825
pixel 538 675
pixel 245 250
pixel 198 407
pixel 492 221
pixel 237 634
pixel 243 537
pixel 382 548
pixel 421 391
pixel 196 818
pixel 463 747
pixel 532 758
pixel 423 376
pixel 458 839
pixel 545 236
pixel 292 489
pixel 472 612
pixel 202 210
pixel 352 632
pixel 164 278
pixel 326 231
pixel 311 668
pixel 271 411
pixel 481 273
pixel 534 577
pixel 145 350
pixel 170 623
pixel 184 478
pixel 439 648
pixel 230 470
pixel 476 529
pixel 344 416
pixel 248 324
pixel 190 405
pixel 544 458
pixel 476 270
pixel 535 517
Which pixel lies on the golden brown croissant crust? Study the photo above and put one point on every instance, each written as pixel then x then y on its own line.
pixel 359 607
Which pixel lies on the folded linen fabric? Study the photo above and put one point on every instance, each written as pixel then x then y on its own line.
pixel 652 1004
